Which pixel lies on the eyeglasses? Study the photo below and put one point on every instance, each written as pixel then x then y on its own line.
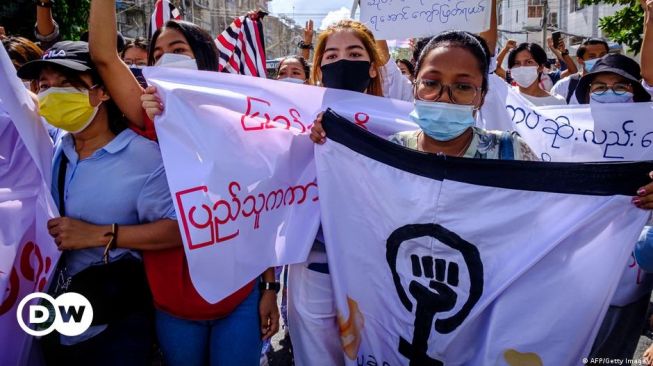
pixel 617 88
pixel 459 93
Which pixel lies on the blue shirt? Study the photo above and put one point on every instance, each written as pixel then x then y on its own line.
pixel 123 182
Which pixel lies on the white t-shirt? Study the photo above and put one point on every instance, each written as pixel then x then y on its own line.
pixel 395 84
pixel 562 87
pixel 544 101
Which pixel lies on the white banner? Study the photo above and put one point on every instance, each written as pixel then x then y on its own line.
pixel 240 167
pixel 446 264
pixel 574 133
pixel 422 18
pixel 28 254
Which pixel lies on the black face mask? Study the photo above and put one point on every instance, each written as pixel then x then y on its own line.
pixel 138 73
pixel 347 75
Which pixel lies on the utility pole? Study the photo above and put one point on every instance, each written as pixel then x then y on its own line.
pixel 545 15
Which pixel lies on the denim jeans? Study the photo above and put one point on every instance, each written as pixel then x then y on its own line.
pixel 233 340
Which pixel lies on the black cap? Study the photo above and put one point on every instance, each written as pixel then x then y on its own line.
pixel 616 64
pixel 67 54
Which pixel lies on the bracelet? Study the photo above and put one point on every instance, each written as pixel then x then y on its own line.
pixel 304 46
pixel 272 286
pixel 112 244
pixel 44 4
pixel 565 53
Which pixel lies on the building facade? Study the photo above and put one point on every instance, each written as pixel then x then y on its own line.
pixel 522 19
pixel 281 34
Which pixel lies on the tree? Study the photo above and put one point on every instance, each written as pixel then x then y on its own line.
pixel 19 16
pixel 626 25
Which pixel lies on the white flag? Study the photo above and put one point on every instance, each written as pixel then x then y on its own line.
pixel 449 261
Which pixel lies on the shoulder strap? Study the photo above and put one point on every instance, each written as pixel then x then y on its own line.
pixel 61 183
pixel 571 90
pixel 506 150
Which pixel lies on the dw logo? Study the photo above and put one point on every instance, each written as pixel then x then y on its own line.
pixel 72 313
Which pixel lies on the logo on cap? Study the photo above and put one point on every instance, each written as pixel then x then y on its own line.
pixel 54 54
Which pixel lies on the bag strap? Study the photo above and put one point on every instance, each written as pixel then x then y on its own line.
pixel 63 165
pixel 506 150
pixel 571 90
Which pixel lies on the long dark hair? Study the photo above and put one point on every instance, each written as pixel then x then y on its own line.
pixel 200 42
pixel 538 53
pixel 464 40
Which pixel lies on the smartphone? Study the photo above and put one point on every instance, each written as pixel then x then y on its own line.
pixel 556 38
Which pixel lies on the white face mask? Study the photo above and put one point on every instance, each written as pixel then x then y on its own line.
pixel 292 80
pixel 525 76
pixel 177 61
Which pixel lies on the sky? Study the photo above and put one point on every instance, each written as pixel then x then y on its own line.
pixel 322 12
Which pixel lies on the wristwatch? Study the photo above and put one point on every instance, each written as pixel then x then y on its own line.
pixel 304 46
pixel 273 286
pixel 44 4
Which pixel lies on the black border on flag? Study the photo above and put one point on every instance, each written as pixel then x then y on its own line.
pixel 597 179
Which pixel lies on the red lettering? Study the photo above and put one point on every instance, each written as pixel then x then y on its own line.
pixel 255 119
pixel 361 119
pixel 249 120
pixel 224 212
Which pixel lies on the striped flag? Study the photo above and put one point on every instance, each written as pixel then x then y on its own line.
pixel 242 47
pixel 163 11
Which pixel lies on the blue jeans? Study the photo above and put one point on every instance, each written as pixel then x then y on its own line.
pixel 233 340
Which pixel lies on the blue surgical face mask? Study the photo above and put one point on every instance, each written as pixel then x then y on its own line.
pixel 443 121
pixel 611 97
pixel 292 80
pixel 589 64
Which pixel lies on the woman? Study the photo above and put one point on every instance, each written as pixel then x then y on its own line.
pixel 447 100
pixel 134 54
pixel 293 69
pixel 190 330
pixel 527 63
pixel 407 69
pixel 110 210
pixel 616 79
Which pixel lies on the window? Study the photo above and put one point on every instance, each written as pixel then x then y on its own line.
pixel 576 5
pixel 553 19
pixel 535 8
pixel 517 16
pixel 500 13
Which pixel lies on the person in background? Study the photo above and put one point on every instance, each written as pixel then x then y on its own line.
pixel 587 54
pixel 615 78
pixel 526 63
pixel 562 57
pixel 293 69
pixel 111 209
pixel 190 330
pixel 134 54
pixel 395 85
pixel 646 51
pixel 407 69
pixel 21 51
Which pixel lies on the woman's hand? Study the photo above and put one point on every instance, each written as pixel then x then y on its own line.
pixel 151 102
pixel 308 32
pixel 318 135
pixel 269 314
pixel 648 355
pixel 72 234
pixel 644 198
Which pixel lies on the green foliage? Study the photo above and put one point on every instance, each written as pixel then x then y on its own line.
pixel 625 26
pixel 72 17
pixel 19 16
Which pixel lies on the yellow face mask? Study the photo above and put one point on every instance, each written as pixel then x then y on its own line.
pixel 67 108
